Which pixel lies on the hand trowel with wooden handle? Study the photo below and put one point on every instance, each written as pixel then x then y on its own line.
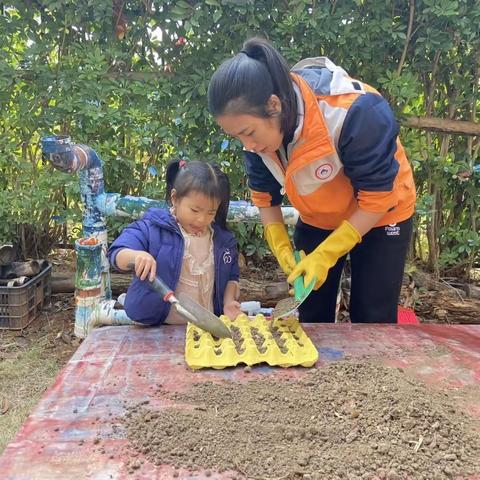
pixel 191 310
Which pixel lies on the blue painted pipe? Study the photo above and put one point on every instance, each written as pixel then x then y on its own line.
pixel 70 158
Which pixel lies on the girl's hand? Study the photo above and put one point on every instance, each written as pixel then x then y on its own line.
pixel 231 309
pixel 145 266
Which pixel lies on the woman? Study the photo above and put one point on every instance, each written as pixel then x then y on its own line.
pixel 331 144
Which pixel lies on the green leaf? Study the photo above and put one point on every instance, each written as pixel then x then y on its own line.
pixel 217 15
pixel 179 13
pixel 183 4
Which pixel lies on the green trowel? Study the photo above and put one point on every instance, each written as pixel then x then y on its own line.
pixel 286 306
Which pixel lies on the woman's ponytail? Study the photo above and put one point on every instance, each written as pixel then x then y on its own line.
pixel 245 83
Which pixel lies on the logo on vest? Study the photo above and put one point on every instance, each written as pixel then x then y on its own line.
pixel 392 229
pixel 324 171
pixel 227 256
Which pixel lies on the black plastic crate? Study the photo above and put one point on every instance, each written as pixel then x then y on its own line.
pixel 19 306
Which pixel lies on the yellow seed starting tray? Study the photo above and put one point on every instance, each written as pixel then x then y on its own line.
pixel 282 342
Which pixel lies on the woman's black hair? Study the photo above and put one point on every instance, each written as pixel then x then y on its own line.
pixel 244 84
pixel 202 177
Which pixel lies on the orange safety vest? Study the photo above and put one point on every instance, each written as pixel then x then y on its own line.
pixel 313 176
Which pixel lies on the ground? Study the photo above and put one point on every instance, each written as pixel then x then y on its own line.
pixel 30 360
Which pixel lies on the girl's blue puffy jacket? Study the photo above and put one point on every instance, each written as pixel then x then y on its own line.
pixel 158 233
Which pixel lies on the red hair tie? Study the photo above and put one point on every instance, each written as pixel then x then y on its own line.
pixel 182 163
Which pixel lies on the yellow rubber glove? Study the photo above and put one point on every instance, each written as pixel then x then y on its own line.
pixel 325 256
pixel 279 243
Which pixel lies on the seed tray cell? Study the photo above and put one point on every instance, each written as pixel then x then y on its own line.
pixel 281 342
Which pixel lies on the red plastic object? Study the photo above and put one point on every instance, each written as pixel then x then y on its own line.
pixel 406 316
pixel 88 241
pixel 76 430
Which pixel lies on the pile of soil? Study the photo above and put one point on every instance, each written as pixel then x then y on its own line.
pixel 347 420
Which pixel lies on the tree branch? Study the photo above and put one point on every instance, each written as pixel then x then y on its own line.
pixel 407 40
pixel 458 127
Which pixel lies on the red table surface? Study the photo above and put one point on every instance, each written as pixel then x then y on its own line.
pixel 118 366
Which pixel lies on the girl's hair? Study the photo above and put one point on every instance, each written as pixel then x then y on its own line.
pixel 244 84
pixel 202 177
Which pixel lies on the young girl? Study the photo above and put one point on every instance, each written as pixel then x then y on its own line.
pixel 189 247
pixel 329 142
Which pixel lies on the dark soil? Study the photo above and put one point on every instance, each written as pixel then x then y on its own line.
pixel 347 420
pixel 238 339
pixel 285 306
pixel 277 336
pixel 259 339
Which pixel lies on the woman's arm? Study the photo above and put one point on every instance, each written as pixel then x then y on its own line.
pixel 271 214
pixel 364 221
pixel 277 237
pixel 337 244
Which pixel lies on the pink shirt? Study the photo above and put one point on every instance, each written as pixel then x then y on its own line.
pixel 197 275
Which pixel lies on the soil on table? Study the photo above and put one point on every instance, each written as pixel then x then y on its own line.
pixel 347 420
pixel 285 306
pixel 238 339
pixel 277 336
